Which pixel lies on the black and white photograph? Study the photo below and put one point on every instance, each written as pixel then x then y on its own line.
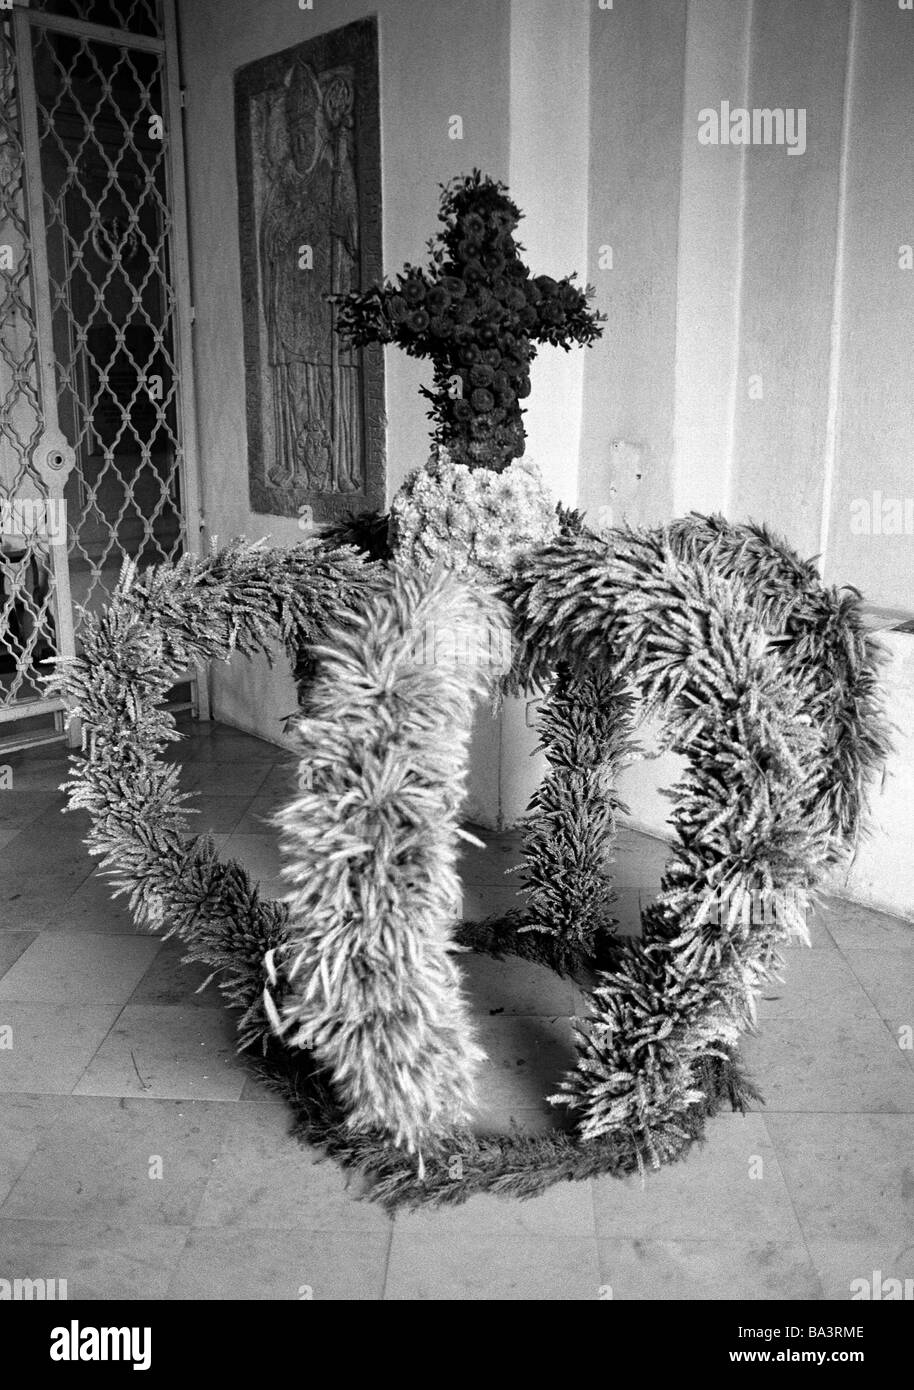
pixel 456 669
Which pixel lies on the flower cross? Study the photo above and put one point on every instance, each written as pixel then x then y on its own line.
pixel 479 316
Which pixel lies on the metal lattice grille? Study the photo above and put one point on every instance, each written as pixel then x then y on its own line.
pixel 27 584
pixel 93 325
pixel 103 150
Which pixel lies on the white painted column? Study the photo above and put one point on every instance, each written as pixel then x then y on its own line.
pixel 548 179
pixel 790 246
pixel 870 475
pixel 710 262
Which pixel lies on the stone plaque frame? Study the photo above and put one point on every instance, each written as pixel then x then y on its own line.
pixel 315 409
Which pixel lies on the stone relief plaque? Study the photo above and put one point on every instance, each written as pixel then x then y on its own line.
pixel 307 126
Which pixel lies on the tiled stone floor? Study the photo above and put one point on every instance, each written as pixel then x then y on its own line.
pixel 138 1160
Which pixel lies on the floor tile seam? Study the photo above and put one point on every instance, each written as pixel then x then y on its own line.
pixel 793 1206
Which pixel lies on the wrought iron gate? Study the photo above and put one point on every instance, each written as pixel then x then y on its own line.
pixel 97 429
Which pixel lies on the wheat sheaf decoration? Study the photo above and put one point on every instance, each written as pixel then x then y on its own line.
pixel 348 992
pixel 371 981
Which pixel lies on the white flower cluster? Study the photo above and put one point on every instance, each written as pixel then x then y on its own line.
pixel 471 516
